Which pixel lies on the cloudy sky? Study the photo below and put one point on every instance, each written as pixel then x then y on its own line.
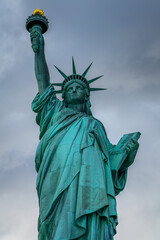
pixel 122 38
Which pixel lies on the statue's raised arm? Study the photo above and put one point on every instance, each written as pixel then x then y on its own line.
pixel 36 25
pixel 41 68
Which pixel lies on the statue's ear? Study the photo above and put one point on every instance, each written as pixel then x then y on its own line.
pixel 86 98
pixel 87 95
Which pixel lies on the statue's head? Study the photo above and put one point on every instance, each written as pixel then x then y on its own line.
pixel 75 88
pixel 75 93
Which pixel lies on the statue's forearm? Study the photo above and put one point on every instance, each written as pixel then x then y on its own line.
pixel 41 71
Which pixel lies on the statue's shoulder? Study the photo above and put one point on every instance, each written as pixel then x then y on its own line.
pixel 95 121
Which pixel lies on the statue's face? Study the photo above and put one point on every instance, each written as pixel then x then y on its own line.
pixel 75 94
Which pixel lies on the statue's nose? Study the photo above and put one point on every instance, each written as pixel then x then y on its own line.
pixel 74 89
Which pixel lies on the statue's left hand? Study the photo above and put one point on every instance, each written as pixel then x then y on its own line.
pixel 131 150
pixel 133 145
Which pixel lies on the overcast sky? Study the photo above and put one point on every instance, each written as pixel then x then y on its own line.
pixel 122 38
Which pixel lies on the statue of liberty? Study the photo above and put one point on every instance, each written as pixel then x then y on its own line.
pixel 79 172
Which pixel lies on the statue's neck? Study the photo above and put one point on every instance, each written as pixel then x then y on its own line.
pixel 78 107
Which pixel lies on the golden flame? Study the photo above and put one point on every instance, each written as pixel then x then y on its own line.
pixel 39 12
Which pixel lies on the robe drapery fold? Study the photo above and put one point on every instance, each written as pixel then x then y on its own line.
pixel 75 186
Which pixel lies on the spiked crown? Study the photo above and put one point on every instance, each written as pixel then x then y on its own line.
pixel 76 77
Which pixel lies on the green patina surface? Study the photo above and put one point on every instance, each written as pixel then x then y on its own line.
pixel 79 172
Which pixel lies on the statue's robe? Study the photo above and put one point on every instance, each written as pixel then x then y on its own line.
pixel 75 186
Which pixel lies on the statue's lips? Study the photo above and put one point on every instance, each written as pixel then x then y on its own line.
pixel 75 95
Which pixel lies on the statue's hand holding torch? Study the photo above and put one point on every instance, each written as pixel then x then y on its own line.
pixel 37 39
pixel 37 24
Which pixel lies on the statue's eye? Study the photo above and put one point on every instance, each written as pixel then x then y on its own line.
pixel 69 89
pixel 79 88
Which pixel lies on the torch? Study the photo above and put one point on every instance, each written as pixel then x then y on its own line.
pixel 38 21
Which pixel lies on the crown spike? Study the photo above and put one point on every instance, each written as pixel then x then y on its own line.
pixel 97 89
pixel 57 84
pixel 73 66
pixel 64 75
pixel 85 72
pixel 58 91
pixel 94 79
